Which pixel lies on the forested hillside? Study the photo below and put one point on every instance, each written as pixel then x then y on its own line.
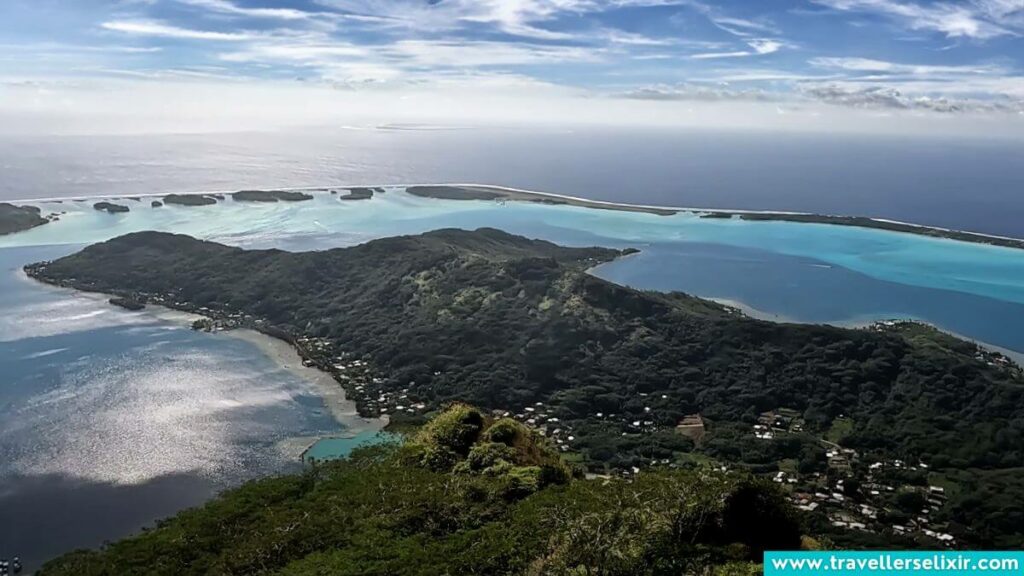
pixel 499 502
pixel 18 218
pixel 505 323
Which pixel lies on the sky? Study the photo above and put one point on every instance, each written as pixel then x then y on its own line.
pixel 953 66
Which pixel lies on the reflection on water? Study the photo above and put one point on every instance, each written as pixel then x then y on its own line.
pixel 112 419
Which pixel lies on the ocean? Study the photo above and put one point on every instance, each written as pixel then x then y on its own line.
pixel 113 419
pixel 958 183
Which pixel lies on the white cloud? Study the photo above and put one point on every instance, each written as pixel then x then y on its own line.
pixel 227 7
pixel 459 54
pixel 519 17
pixel 887 97
pixel 742 27
pixel 978 19
pixel 881 66
pixel 152 28
pixel 758 47
pixel 698 93
pixel 405 60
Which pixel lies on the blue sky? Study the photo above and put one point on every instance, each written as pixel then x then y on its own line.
pixel 947 57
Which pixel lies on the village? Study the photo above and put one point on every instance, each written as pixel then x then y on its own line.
pixel 854 493
pixel 859 493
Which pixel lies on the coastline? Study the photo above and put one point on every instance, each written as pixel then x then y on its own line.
pixel 522 195
pixel 755 313
pixel 862 323
pixel 286 356
pixel 278 351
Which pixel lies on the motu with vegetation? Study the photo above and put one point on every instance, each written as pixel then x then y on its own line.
pixel 864 222
pixel 270 196
pixel 190 199
pixel 19 218
pixel 904 434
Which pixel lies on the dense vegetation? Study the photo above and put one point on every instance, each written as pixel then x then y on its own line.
pixel 499 501
pixel 270 196
pixel 504 322
pixel 18 218
pixel 864 222
pixel 190 199
pixel 110 207
pixel 446 192
pixel 361 193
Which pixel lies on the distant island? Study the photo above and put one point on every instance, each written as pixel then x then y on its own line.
pixel 270 196
pixel 190 200
pixel 19 218
pixel 868 429
pixel 507 194
pixel 110 208
pixel 499 194
pixel 361 193
pixel 878 224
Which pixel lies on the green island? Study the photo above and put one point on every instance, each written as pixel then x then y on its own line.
pixel 110 207
pixel 896 435
pixel 19 218
pixel 468 494
pixel 190 199
pixel 498 194
pixel 361 193
pixel 270 196
pixel 865 222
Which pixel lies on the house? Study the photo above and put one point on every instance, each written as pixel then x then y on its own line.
pixel 692 426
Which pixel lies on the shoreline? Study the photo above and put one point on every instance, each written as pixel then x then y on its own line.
pixel 333 394
pixel 755 313
pixel 278 351
pixel 520 195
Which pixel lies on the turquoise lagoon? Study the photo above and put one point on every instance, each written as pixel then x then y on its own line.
pixel 788 271
pixel 336 447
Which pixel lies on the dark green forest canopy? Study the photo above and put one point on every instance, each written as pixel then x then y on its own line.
pixel 504 322
pixel 18 218
pixel 190 199
pixel 270 196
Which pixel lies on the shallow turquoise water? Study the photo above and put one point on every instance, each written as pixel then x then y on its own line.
pixel 802 272
pixel 337 447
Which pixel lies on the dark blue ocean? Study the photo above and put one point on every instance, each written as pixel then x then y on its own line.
pixel 973 184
